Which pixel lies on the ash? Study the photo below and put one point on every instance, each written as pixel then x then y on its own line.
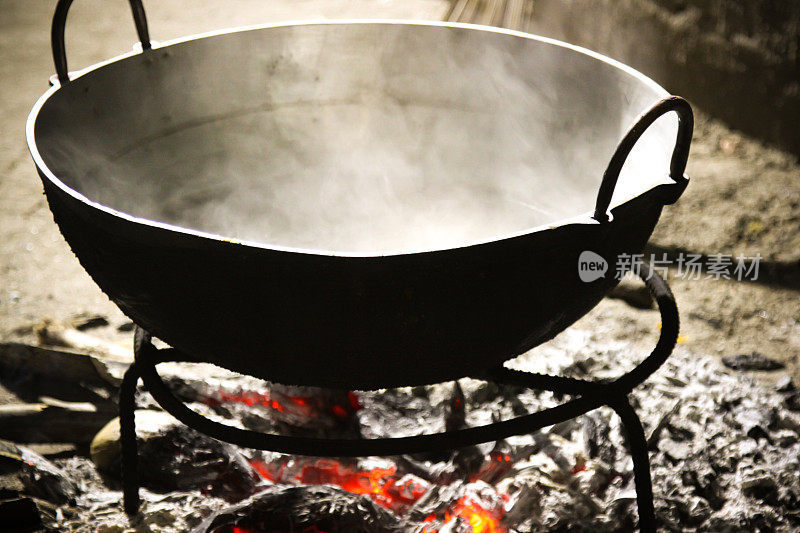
pixel 724 451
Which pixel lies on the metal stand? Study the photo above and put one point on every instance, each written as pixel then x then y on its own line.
pixel 588 395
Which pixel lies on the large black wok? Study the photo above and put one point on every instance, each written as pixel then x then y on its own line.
pixel 355 204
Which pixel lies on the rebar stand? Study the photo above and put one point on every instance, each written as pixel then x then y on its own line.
pixel 587 396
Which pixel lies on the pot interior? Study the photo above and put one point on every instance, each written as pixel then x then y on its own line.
pixel 366 138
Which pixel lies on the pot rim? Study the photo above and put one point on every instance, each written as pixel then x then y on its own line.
pixel 585 218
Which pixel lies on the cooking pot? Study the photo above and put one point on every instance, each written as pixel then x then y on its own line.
pixel 356 204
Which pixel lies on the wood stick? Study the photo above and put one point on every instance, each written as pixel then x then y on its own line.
pixel 62 365
pixel 54 335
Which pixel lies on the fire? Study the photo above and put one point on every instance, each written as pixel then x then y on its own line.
pixel 479 519
pixel 381 484
pixel 297 405
pixel 388 490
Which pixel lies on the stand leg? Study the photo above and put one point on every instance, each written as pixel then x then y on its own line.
pixel 641 463
pixel 127 426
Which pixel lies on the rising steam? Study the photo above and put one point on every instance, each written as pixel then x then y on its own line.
pixel 352 138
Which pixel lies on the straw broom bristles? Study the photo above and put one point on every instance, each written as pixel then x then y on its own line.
pixel 512 14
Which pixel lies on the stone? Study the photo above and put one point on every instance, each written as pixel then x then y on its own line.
pixel 105 448
pixel 751 361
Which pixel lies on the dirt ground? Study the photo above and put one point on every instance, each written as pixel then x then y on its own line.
pixel 743 197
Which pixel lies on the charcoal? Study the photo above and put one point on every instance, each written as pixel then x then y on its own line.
pixel 751 361
pixel 91 322
pixel 792 402
pixel 785 384
pixel 182 459
pixel 698 475
pixel 51 334
pixel 524 503
pixel 187 390
pixel 455 417
pixel 789 421
pixel 761 485
pixel 663 422
pixel 435 501
pixel 54 420
pixel 61 364
pixel 754 422
pixel 596 438
pixel 486 391
pixel 785 438
pixel 681 429
pixel 439 472
pixel 724 451
pixel 465 460
pixel 315 412
pixel 26 472
pixel 20 515
pixel 566 455
pixel 591 477
pixel 126 327
pixel 496 464
pixel 178 458
pixel 298 509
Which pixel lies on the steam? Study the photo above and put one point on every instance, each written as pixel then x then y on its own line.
pixel 360 138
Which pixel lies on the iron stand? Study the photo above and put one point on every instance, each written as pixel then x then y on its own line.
pixel 587 396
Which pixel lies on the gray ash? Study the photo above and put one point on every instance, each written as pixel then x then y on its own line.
pixel 724 452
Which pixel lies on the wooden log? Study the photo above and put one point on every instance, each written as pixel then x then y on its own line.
pixel 40 422
pixel 51 334
pixel 60 364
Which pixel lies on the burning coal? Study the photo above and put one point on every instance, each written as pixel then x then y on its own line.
pixel 480 509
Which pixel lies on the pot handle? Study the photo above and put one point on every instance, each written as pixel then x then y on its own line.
pixel 57 34
pixel 679 155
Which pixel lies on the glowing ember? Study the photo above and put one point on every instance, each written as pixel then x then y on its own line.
pixel 479 519
pixel 301 406
pixel 381 484
pixel 494 469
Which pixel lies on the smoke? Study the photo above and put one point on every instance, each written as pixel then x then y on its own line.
pixel 351 138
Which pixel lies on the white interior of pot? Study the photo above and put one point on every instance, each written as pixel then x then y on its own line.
pixel 362 138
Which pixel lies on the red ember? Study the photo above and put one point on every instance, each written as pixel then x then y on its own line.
pixel 298 405
pixel 471 512
pixel 381 484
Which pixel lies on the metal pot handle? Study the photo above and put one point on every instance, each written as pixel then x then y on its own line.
pixel 57 34
pixel 679 155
